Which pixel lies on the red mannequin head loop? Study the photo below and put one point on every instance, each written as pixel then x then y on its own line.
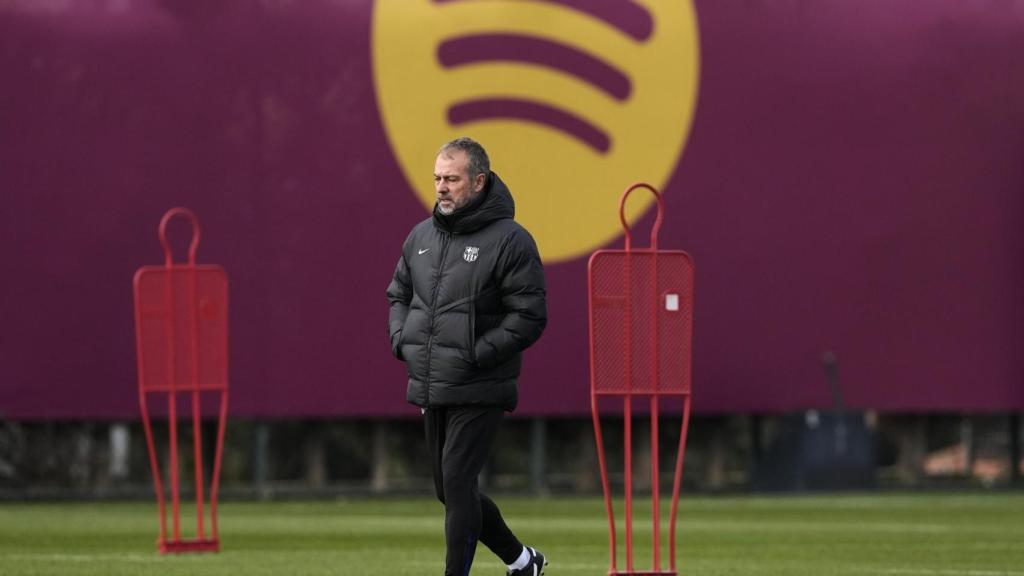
pixel 657 221
pixel 193 245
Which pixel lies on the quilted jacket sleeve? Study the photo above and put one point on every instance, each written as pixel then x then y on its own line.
pixel 399 296
pixel 520 278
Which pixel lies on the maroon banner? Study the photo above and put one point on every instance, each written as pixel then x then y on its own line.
pixel 847 177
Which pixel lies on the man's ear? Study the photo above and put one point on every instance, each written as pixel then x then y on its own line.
pixel 479 181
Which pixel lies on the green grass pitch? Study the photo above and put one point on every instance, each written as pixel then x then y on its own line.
pixel 928 534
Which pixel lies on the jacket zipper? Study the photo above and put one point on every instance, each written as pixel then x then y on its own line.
pixel 433 310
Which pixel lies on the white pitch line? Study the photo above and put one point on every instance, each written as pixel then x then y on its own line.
pixel 131 557
pixel 948 572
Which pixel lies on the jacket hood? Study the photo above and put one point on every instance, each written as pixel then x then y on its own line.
pixel 494 203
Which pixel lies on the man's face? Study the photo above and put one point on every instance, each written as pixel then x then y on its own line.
pixel 452 184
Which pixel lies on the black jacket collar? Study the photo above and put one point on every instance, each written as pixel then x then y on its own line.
pixel 494 203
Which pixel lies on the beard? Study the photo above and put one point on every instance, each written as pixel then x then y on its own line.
pixel 455 205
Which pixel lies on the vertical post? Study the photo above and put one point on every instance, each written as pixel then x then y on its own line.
pixel 628 401
pixel 967 438
pixel 155 467
pixel 217 458
pixel 628 471
pixel 197 436
pixel 755 440
pixel 715 478
pixel 175 489
pixel 584 466
pixel 261 444
pixel 81 465
pixel 315 455
pixel 656 307
pixel 538 456
pixel 172 403
pixel 604 473
pixel 677 483
pixel 381 458
pixel 120 447
pixel 913 445
pixel 1014 448
pixel 655 489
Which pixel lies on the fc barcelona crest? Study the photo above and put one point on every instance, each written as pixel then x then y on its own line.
pixel 471 253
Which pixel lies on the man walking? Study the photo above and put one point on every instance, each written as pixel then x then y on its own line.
pixel 466 299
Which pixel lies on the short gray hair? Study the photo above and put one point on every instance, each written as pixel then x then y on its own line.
pixel 479 163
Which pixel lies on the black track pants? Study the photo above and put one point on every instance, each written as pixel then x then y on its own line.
pixel 459 439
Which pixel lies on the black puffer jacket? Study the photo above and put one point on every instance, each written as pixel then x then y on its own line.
pixel 467 297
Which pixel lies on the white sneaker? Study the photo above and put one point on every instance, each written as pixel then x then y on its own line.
pixel 535 567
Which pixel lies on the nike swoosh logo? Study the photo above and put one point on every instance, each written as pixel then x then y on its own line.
pixel 424 250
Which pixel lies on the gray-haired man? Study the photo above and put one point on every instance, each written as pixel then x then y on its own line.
pixel 466 299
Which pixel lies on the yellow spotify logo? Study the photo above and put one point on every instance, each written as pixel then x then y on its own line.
pixel 573 99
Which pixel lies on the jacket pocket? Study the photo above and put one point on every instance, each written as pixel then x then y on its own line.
pixel 464 336
pixel 396 344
